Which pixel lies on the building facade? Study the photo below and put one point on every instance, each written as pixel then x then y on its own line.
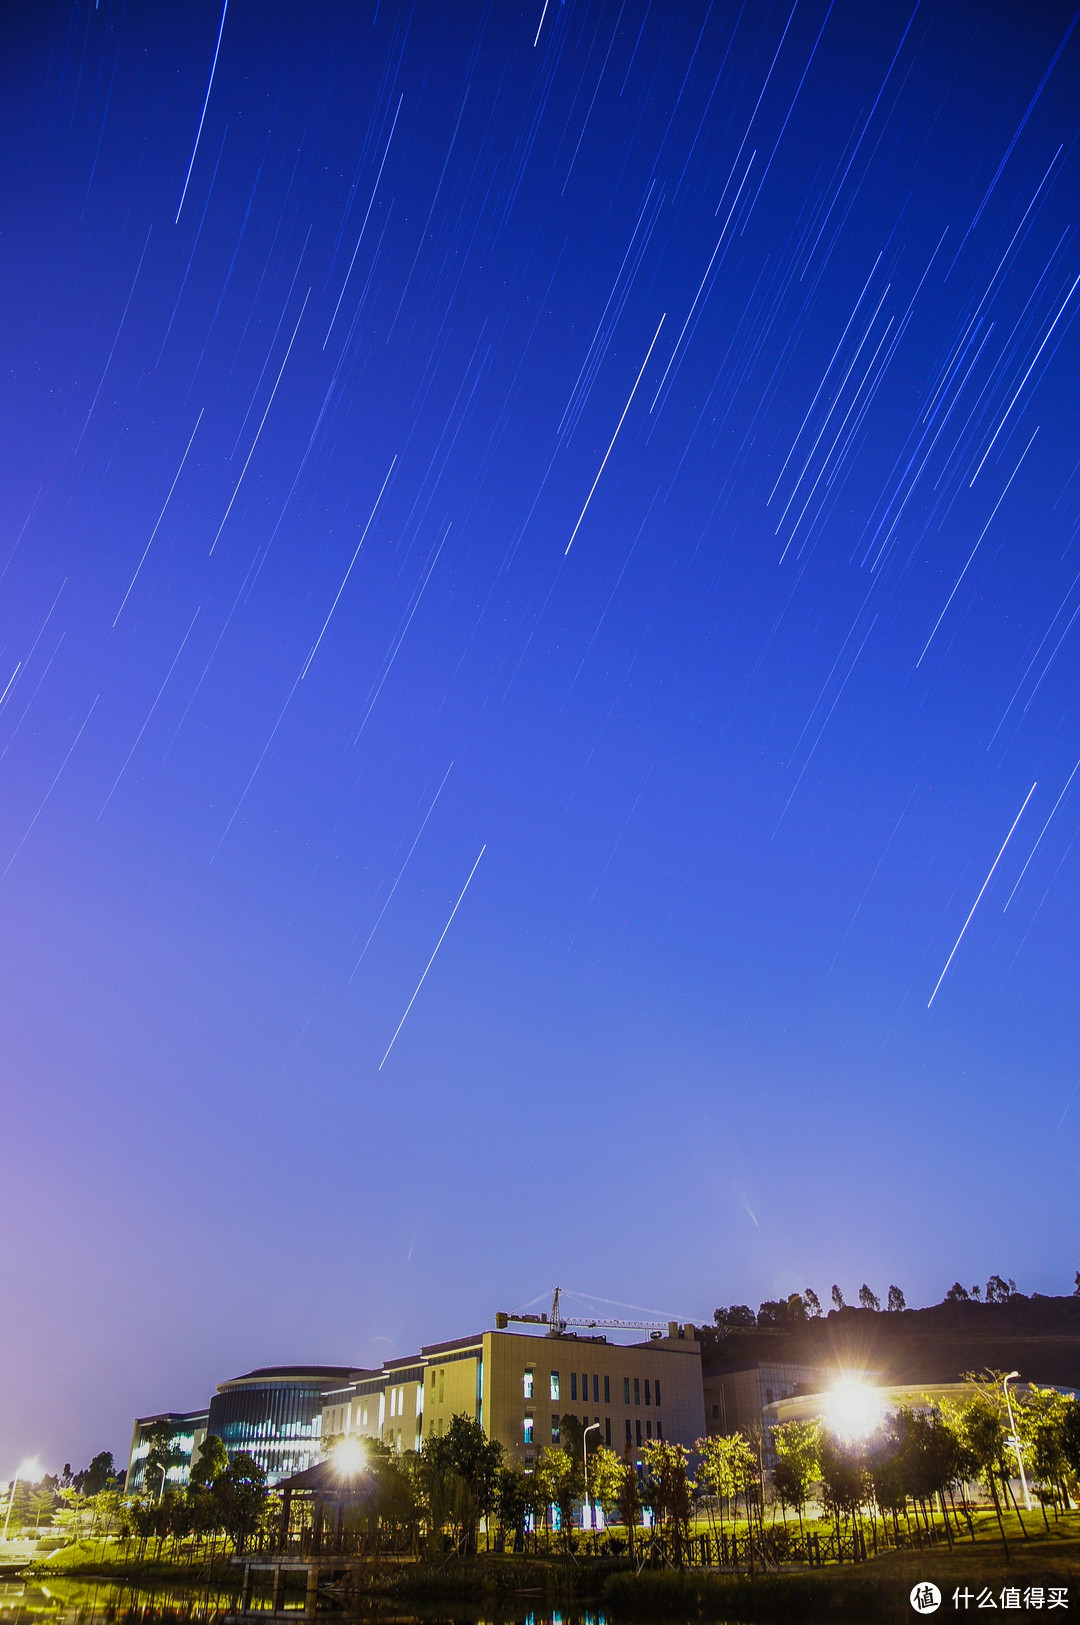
pixel 736 1397
pixel 188 1433
pixel 274 1414
pixel 519 1386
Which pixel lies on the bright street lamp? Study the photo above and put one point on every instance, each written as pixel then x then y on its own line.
pixel 25 1468
pixel 1014 1441
pixel 593 1427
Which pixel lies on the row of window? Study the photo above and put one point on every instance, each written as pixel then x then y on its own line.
pixel 651 1385
pixel 631 1438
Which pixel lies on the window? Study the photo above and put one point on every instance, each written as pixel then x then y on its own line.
pixel 607 1430
pixel 716 1410
pixel 528 1430
pixel 442 1384
pixel 607 1390
pixel 648 1391
pixel 626 1393
pixel 658 1390
pixel 769 1396
pixel 554 1385
pixel 584 1388
pixel 595 1389
pixel 554 1430
pixel 637 1427
pixel 648 1429
pixel 628 1430
pixel 573 1385
pixel 637 1391
pixel 527 1384
pixel 659 1428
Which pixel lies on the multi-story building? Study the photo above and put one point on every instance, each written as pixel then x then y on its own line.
pixel 735 1396
pixel 188 1433
pixel 519 1386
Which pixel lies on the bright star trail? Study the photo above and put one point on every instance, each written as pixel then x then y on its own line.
pixel 347 441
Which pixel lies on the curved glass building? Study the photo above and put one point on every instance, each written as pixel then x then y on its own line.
pixel 275 1414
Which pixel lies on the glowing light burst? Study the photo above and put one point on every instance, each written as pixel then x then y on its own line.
pixel 349 1458
pixel 853 1410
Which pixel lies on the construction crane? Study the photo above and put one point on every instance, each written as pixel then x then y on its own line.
pixel 557 1322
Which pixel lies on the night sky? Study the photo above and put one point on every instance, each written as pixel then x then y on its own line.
pixel 558 524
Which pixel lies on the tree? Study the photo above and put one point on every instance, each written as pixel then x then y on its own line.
pixel 716 1473
pixel 868 1299
pixel 981 1428
pixel 1070 1438
pixel 211 1461
pixel 161 1456
pixel 1076 1287
pixel 896 1300
pixel 629 1503
pixel 512 1504
pixel 795 1445
pixel 998 1290
pixel 468 1462
pixel 1042 1421
pixel 845 1481
pixel 668 1486
pixel 773 1313
pixel 838 1297
pixel 739 1317
pixel 93 1479
pixel 957 1294
pixel 605 1479
pixel 812 1302
pixel 240 1497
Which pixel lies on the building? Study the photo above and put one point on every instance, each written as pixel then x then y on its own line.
pixel 275 1415
pixel 737 1396
pixel 189 1431
pixel 518 1386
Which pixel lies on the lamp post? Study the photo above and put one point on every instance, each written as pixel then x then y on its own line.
pixel 24 1470
pixel 164 1471
pixel 593 1427
pixel 1014 1441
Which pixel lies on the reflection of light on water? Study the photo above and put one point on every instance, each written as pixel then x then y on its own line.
pixel 853 1410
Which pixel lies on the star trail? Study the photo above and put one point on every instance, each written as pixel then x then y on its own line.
pixel 634 443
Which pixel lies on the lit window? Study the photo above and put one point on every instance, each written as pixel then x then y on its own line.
pixel 527 1384
pixel 658 1390
pixel 554 1430
pixel 528 1430
pixel 554 1385
pixel 626 1390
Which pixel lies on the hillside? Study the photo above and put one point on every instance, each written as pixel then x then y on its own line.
pixel 1039 1337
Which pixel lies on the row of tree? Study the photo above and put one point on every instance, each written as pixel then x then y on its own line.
pixel 785 1313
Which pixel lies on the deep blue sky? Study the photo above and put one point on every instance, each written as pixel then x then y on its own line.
pixel 676 1046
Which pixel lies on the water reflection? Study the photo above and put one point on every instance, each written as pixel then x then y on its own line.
pixel 82 1602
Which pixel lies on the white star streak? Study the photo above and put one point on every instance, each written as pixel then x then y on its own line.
pixel 205 105
pixel 978 899
pixel 431 961
pixel 614 437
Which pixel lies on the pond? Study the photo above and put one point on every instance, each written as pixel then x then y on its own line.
pixel 91 1602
